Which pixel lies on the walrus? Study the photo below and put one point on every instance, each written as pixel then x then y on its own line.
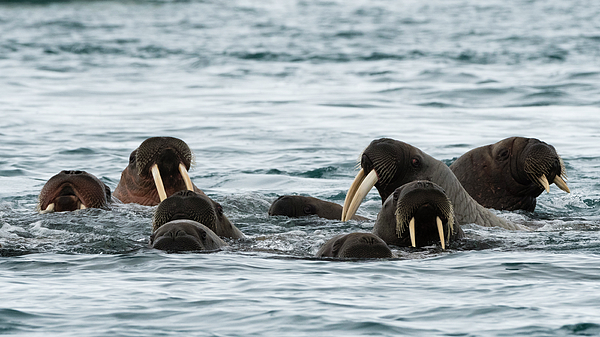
pixel 356 246
pixel 510 174
pixel 185 235
pixel 72 190
pixel 388 164
pixel 198 207
pixel 157 169
pixel 295 206
pixel 418 213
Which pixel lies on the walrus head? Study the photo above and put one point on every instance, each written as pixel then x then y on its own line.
pixel 157 168
pixel 356 246
pixel 386 164
pixel 295 206
pixel 185 235
pixel 423 215
pixel 72 190
pixel 197 207
pixel 511 173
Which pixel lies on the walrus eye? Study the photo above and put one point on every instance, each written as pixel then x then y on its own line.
pixel 503 155
pixel 416 162
pixel 203 235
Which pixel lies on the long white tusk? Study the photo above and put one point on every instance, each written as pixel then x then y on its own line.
pixel 561 184
pixel 186 177
pixel 440 231
pixel 359 178
pixel 411 232
pixel 362 191
pixel 544 181
pixel 82 206
pixel 159 183
pixel 48 209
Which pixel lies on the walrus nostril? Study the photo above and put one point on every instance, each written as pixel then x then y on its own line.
pixel 180 233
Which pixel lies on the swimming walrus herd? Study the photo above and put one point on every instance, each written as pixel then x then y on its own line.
pixel 424 201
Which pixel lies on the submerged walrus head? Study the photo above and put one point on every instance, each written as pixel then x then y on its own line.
pixel 72 190
pixel 417 214
pixel 185 235
pixel 157 169
pixel 511 173
pixel 356 246
pixel 197 207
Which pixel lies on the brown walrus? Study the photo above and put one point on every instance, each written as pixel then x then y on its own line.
pixel 198 207
pixel 417 214
pixel 185 235
pixel 157 169
pixel 510 174
pixel 356 246
pixel 72 190
pixel 388 164
pixel 295 206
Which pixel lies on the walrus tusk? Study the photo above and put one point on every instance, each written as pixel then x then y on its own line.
pixel 440 231
pixel 544 181
pixel 48 209
pixel 365 186
pixel 82 206
pixel 558 181
pixel 160 187
pixel 359 177
pixel 186 177
pixel 411 232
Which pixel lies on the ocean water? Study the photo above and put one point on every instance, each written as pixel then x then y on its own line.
pixel 280 97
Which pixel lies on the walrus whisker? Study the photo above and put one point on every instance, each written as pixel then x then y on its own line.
pixel 160 187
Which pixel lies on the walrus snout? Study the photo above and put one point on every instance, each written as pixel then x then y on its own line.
pixel 185 235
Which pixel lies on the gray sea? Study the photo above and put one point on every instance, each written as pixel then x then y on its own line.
pixel 280 97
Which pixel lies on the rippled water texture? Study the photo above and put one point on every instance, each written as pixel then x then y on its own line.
pixel 281 97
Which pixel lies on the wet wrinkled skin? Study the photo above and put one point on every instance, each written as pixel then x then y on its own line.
pixel 185 235
pixel 72 190
pixel 197 207
pixel 421 201
pixel 505 175
pixel 295 206
pixel 356 246
pixel 137 184
pixel 388 164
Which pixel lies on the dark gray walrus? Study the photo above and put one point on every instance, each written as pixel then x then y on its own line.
pixel 356 246
pixel 185 235
pixel 510 174
pixel 295 206
pixel 388 164
pixel 72 190
pixel 417 214
pixel 198 207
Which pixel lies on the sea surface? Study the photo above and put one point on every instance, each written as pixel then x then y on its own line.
pixel 280 97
